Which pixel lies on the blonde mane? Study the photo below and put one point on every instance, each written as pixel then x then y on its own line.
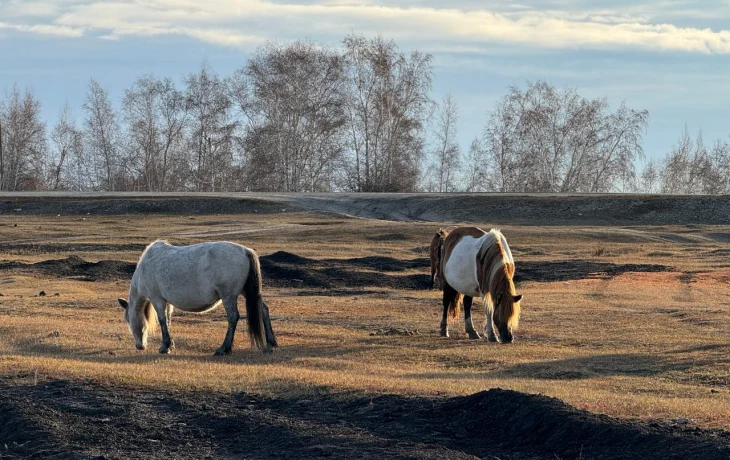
pixel 496 278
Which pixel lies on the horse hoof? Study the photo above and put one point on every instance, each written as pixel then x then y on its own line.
pixel 444 333
pixel 164 351
pixel 491 338
pixel 222 352
pixel 474 335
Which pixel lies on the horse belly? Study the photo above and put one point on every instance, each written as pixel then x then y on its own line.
pixel 461 269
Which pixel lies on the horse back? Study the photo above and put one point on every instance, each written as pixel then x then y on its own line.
pixel 453 239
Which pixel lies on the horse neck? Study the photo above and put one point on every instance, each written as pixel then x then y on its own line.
pixel 495 260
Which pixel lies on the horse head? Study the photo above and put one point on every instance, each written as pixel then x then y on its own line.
pixel 139 320
pixel 506 314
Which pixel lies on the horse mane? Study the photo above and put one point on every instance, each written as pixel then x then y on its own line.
pixel 498 268
pixel 149 313
pixel 165 242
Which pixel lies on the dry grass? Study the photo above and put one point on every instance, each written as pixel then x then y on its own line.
pixel 643 345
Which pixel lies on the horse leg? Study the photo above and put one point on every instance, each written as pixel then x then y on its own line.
pixel 231 305
pixel 489 324
pixel 468 325
pixel 161 309
pixel 433 276
pixel 270 338
pixel 168 314
pixel 450 296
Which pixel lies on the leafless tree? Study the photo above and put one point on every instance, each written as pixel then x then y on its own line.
pixel 386 109
pixel 23 150
pixel 155 113
pixel 650 178
pixel 102 140
pixel 295 107
pixel 211 135
pixel 67 171
pixel 545 140
pixel 690 168
pixel 445 155
pixel 477 172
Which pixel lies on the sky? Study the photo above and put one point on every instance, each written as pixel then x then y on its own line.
pixel 671 58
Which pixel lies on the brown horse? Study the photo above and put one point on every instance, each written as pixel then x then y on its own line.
pixel 476 263
pixel 434 253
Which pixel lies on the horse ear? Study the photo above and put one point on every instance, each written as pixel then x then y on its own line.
pixel 123 303
pixel 517 298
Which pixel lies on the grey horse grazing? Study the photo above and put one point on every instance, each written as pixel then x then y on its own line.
pixel 197 278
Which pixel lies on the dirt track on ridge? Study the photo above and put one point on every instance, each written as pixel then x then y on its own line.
pixel 499 209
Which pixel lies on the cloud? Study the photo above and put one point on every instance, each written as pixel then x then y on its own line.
pixel 44 29
pixel 244 22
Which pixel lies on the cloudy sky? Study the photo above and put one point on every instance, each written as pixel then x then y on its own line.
pixel 669 57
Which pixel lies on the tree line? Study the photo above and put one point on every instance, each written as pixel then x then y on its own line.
pixel 302 117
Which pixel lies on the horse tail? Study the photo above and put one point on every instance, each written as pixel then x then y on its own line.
pixel 440 247
pixel 254 303
pixel 441 237
pixel 455 306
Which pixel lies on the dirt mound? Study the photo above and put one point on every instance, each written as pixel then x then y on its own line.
pixel 129 203
pixel 497 209
pixel 49 248
pixel 340 276
pixel 76 267
pixel 578 269
pixel 284 257
pixel 388 264
pixel 61 419
pixel 525 209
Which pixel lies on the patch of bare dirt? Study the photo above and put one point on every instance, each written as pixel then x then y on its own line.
pixel 67 420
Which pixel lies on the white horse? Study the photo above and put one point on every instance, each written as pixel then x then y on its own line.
pixel 197 278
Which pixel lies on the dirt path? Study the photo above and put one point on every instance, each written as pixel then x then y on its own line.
pixel 65 420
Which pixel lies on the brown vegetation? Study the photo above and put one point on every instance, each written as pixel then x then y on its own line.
pixel 639 331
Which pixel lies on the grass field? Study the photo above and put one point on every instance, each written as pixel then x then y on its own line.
pixel 634 344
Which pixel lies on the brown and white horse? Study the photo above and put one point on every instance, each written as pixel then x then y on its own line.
pixel 434 253
pixel 475 263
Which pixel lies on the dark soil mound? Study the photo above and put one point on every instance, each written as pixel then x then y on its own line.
pixel 61 419
pixel 121 203
pixel 76 267
pixel 578 269
pixel 340 276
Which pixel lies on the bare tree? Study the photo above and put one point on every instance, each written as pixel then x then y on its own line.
pixel 22 159
pixel 211 130
pixel 102 136
pixel 545 140
pixel 155 115
pixel 387 106
pixel 477 176
pixel 67 144
pixel 445 154
pixel 689 168
pixel 295 105
pixel 650 178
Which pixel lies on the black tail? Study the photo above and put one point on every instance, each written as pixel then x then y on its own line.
pixel 254 310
